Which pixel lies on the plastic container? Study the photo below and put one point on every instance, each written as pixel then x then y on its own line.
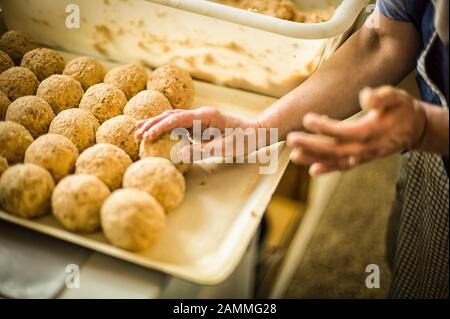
pixel 346 13
pixel 210 49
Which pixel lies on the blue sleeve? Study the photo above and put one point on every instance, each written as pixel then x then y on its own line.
pixel 394 9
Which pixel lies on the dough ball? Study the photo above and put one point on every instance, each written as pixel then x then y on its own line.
pixel 17 82
pixel 77 125
pixel 43 62
pixel 33 113
pixel 106 161
pixel 77 200
pixel 132 219
pixel 14 141
pixel 176 85
pixel 61 92
pixel 25 190
pixel 165 147
pixel 5 62
pixel 104 101
pixel 56 153
pixel 119 131
pixel 147 104
pixel 158 177
pixel 86 70
pixel 3 165
pixel 4 103
pixel 16 44
pixel 130 78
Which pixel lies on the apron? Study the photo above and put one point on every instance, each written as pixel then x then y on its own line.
pixel 417 237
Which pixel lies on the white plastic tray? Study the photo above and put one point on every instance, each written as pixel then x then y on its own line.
pixel 212 50
pixel 207 236
pixel 346 14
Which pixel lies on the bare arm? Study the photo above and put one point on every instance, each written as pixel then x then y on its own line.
pixel 371 57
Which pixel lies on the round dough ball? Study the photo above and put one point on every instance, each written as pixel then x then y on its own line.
pixel 14 141
pixel 176 85
pixel 147 104
pixel 119 131
pixel 104 101
pixel 106 161
pixel 61 92
pixel 77 200
pixel 86 70
pixel 33 113
pixel 158 177
pixel 5 62
pixel 3 165
pixel 17 82
pixel 132 219
pixel 56 153
pixel 165 147
pixel 16 44
pixel 43 62
pixel 77 125
pixel 4 103
pixel 130 78
pixel 25 190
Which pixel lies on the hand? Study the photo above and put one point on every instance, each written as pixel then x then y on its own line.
pixel 209 117
pixel 394 121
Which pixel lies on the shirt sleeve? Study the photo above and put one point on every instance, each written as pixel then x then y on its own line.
pixel 393 9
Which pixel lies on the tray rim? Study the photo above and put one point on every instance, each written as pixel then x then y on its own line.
pixel 218 275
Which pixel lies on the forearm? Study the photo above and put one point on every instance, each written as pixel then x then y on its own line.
pixel 435 137
pixel 368 58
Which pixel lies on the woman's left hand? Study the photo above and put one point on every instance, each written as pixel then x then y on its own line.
pixel 394 121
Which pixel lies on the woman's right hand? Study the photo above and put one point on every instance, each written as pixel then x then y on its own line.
pixel 209 117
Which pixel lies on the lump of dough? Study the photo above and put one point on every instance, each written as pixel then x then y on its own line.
pixel 132 219
pixel 86 70
pixel 130 78
pixel 56 153
pixel 283 9
pixel 104 101
pixel 158 177
pixel 33 113
pixel 4 103
pixel 176 85
pixel 17 82
pixel 77 125
pixel 5 62
pixel 119 131
pixel 14 141
pixel 77 200
pixel 16 44
pixel 167 148
pixel 43 62
pixel 61 92
pixel 25 190
pixel 147 104
pixel 106 161
pixel 3 165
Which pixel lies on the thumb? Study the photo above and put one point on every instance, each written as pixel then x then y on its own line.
pixel 381 98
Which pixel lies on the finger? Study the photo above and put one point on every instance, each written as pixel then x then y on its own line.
pixel 356 130
pixel 324 146
pixel 321 169
pixel 167 124
pixel 381 98
pixel 299 157
pixel 147 124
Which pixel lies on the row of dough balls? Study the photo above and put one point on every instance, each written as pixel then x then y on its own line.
pixel 25 189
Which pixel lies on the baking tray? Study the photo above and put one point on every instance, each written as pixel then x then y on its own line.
pixel 211 49
pixel 207 236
